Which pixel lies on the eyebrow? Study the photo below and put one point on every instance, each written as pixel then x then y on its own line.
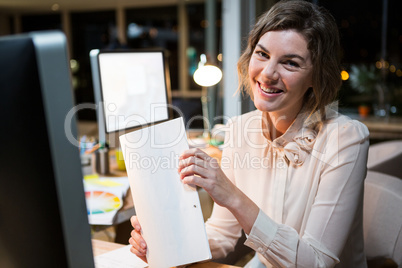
pixel 286 56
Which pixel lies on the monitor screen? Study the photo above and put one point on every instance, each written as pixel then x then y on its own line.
pixel 43 216
pixel 134 88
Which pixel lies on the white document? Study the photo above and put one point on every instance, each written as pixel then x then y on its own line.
pixel 119 258
pixel 169 211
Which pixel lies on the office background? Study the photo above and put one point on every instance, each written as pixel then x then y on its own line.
pixel 371 36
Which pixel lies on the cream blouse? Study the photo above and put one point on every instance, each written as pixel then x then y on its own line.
pixel 308 184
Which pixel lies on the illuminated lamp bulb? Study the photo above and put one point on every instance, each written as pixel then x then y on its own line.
pixel 207 75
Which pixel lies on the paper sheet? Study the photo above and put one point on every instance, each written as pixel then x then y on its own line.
pixel 121 258
pixel 169 211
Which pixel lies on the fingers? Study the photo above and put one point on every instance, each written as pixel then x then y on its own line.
pixel 194 180
pixel 193 170
pixel 192 160
pixel 195 152
pixel 137 253
pixel 197 157
pixel 139 247
pixel 195 166
pixel 137 242
pixel 135 223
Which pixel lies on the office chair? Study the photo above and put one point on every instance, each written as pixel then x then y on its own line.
pixel 382 217
pixel 386 157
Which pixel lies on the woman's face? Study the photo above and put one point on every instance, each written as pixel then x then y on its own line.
pixel 280 72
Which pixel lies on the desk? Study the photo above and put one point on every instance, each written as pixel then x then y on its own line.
pixel 99 247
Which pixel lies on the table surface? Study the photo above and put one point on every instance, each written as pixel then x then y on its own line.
pixel 99 247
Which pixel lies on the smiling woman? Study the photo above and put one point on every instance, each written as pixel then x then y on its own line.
pixel 320 34
pixel 280 73
pixel 292 172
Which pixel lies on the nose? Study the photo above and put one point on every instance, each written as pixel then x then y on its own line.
pixel 270 70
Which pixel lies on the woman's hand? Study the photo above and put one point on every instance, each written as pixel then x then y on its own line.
pixel 198 168
pixel 139 247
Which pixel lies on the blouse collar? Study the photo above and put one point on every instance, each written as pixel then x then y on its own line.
pixel 298 140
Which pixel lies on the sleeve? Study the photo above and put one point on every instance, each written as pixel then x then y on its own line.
pixel 336 204
pixel 223 229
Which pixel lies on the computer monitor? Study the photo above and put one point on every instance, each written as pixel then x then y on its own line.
pixel 131 89
pixel 43 216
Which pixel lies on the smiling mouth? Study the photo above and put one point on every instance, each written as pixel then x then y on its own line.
pixel 270 90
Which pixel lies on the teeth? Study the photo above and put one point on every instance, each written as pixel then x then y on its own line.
pixel 268 90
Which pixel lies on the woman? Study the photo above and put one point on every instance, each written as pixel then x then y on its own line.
pixel 292 172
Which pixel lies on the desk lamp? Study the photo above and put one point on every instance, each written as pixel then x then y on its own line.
pixel 206 75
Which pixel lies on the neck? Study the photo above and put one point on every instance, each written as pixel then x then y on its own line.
pixel 279 122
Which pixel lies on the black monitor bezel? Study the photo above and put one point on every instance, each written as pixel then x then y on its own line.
pixel 44 161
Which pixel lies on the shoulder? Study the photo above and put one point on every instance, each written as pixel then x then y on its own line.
pixel 341 140
pixel 341 132
pixel 344 125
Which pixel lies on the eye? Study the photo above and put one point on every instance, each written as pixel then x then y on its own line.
pixel 262 54
pixel 292 64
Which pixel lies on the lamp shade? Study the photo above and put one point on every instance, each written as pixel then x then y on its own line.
pixel 207 75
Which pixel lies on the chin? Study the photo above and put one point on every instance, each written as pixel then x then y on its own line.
pixel 264 107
